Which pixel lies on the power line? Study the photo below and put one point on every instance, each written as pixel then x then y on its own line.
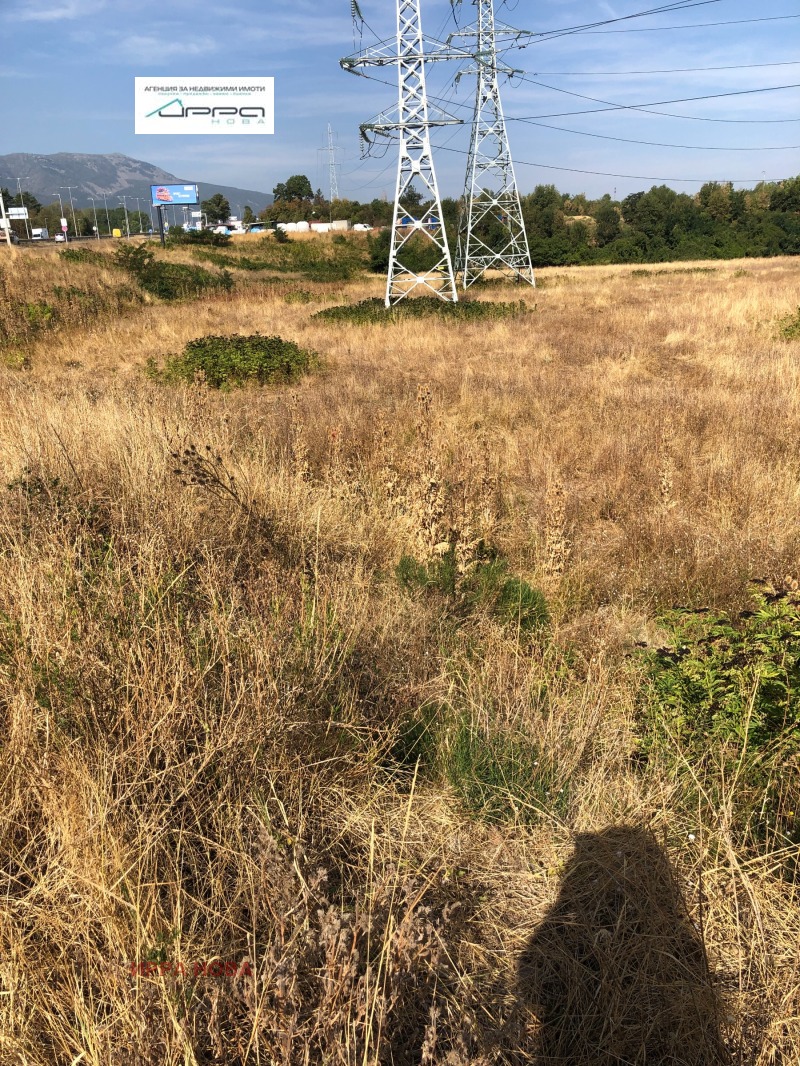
pixel 695 25
pixel 669 70
pixel 612 106
pixel 657 144
pixel 635 177
pixel 589 27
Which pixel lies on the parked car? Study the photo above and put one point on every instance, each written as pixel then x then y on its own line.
pixel 362 227
pixel 60 238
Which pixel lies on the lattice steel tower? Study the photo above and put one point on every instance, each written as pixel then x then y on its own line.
pixel 413 225
pixel 491 232
pixel 332 165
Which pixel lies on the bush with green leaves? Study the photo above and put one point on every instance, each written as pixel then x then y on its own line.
pixel 203 237
pixel 227 362
pixel 168 281
pixel 723 705
pixel 790 326
pixel 369 312
pixel 84 255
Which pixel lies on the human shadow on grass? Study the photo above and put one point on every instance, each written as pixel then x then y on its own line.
pixel 617 974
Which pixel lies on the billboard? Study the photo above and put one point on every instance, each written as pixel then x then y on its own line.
pixel 173 194
pixel 204 105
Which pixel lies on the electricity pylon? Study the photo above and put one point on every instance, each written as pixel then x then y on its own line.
pixel 332 165
pixel 491 233
pixel 413 224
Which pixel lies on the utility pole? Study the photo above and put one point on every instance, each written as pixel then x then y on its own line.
pixel 108 219
pixel 94 209
pixel 332 150
pixel 69 189
pixel 491 196
pixel 413 222
pixel 63 217
pixel 22 204
pixel 124 201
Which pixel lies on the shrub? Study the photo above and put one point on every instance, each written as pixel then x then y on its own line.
pixel 372 311
pixel 237 361
pixel 168 281
pixel 204 237
pixel 83 255
pixel 723 703
pixel 790 326
pixel 510 599
pixel 39 314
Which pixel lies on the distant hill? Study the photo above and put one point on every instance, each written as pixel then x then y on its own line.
pixel 115 175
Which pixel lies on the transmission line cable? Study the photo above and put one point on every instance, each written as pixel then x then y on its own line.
pixel 694 25
pixel 612 106
pixel 666 70
pixel 635 177
pixel 659 144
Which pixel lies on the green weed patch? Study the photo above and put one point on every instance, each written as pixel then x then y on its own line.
pixel 235 361
pixel 723 707
pixel 169 281
pixel 369 312
pixel 790 326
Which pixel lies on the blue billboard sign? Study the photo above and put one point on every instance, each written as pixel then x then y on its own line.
pixel 174 194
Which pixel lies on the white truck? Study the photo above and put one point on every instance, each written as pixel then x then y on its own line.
pixel 40 233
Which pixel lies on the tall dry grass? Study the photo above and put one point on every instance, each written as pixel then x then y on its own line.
pixel 204 689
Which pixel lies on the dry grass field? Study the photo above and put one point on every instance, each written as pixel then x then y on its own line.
pixel 296 766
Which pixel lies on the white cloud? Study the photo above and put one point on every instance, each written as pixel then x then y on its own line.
pixel 146 49
pixel 38 11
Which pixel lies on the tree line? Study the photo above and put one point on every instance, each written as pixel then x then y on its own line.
pixel 659 225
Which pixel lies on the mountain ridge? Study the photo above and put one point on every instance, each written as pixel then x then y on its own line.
pixel 114 175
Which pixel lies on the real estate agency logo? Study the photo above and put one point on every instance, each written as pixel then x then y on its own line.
pixel 229 115
pixel 204 105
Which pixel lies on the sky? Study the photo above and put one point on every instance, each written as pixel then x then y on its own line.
pixel 68 66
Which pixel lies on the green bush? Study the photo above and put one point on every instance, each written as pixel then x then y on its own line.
pixel 236 361
pixel 371 311
pixel 168 281
pixel 84 255
pixel 723 705
pixel 39 314
pixel 510 599
pixel 790 326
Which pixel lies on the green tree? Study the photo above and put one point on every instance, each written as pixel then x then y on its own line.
pixel 298 187
pixel 248 217
pixel 216 208
pixel 607 226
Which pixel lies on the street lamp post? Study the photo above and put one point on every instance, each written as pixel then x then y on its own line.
pixel 108 220
pixel 22 204
pixel 94 208
pixel 61 206
pixel 124 202
pixel 139 213
pixel 69 188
